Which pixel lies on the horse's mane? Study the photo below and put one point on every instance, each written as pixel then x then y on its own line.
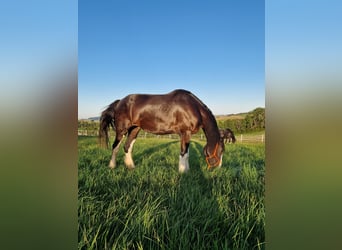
pixel 202 104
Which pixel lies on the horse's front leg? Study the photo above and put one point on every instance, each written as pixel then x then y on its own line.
pixel 132 135
pixel 184 154
pixel 116 146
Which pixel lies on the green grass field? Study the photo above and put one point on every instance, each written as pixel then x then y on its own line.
pixel 155 207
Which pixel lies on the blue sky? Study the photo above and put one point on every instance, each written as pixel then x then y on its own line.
pixel 215 49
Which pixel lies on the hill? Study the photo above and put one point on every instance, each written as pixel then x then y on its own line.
pixel 238 116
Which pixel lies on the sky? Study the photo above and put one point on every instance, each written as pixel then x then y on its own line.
pixel 215 49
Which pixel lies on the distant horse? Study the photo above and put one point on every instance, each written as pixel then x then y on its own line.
pixel 178 112
pixel 227 135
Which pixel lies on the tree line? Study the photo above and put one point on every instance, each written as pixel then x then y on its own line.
pixel 252 122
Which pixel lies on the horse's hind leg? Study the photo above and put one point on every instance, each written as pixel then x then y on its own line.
pixel 116 146
pixel 132 135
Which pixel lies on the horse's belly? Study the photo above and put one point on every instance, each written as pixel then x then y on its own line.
pixel 158 128
pixel 162 124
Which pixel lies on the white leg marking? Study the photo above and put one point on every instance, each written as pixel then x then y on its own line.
pixel 112 162
pixel 183 163
pixel 128 156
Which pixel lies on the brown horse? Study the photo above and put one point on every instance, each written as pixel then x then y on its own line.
pixel 178 112
pixel 228 135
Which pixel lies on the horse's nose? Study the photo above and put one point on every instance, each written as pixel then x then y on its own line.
pixel 214 162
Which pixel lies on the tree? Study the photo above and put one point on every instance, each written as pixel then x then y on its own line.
pixel 255 120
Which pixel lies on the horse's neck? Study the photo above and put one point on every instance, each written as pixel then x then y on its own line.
pixel 209 124
pixel 211 131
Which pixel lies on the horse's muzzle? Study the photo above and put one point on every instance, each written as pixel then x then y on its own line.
pixel 213 162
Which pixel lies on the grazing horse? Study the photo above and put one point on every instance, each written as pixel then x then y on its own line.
pixel 227 135
pixel 178 112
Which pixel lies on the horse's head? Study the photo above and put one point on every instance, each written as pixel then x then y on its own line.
pixel 213 155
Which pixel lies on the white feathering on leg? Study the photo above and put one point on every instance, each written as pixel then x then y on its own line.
pixel 112 162
pixel 184 163
pixel 128 156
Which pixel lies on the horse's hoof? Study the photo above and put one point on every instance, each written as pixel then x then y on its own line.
pixel 111 165
pixel 182 170
pixel 130 166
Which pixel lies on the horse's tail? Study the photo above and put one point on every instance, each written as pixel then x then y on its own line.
pixel 106 120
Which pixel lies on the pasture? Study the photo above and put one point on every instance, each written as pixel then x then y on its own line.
pixel 155 207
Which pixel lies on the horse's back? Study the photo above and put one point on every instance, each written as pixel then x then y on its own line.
pixel 180 92
pixel 178 100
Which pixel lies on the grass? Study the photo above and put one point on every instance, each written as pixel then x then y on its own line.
pixel 155 207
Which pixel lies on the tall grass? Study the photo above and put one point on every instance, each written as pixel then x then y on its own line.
pixel 155 207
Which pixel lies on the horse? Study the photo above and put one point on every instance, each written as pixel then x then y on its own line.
pixel 178 112
pixel 228 135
